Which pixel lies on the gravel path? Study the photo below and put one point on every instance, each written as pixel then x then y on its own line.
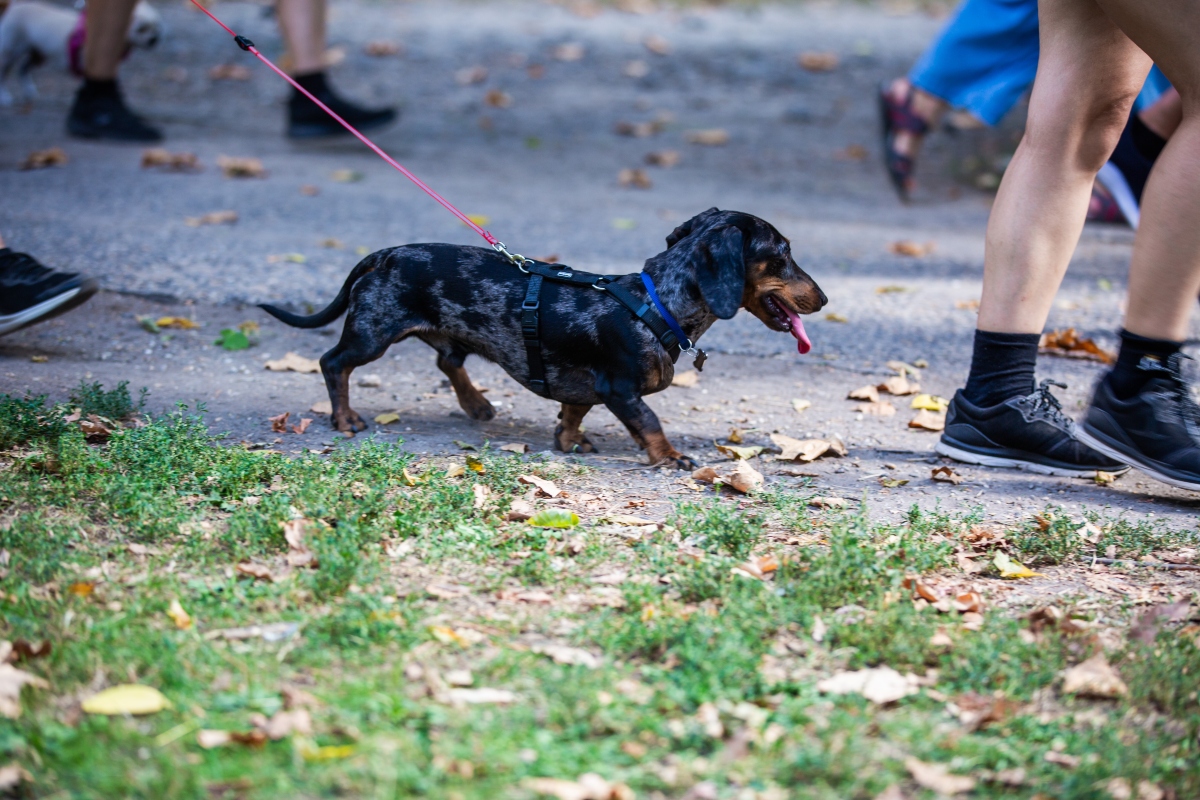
pixel 802 153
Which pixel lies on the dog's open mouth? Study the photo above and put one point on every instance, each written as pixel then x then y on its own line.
pixel 789 321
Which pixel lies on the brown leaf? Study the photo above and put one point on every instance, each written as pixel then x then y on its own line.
pixel 227 217
pixel 977 711
pixel 968 602
pixel 229 72
pixel 383 48
pixel 880 685
pixel 541 484
pixel 745 478
pixel 706 475
pixel 295 363
pixel 498 98
pixel 967 565
pixel 818 61
pixel 1062 759
pixel 95 429
pixel 302 426
pixel 1145 628
pixel 928 420
pixel 663 158
pixel 520 510
pixel 482 494
pixel 710 137
pixel 27 651
pixel 828 502
pixel 209 739
pixel 898 385
pixel 588 787
pixel 868 393
pixel 294 533
pixel 241 167
pixel 911 249
pixel 11 778
pixel 11 682
pixel 279 422
pixel 41 159
pixel 946 475
pixel 806 450
pixel 284 723
pixel 686 379
pixel 634 178
pixel 1068 343
pixel 161 158
pixel 1094 678
pixel 881 409
pixel 259 572
pixel 937 778
pixel 181 618
pixel 657 45
pixel 638 130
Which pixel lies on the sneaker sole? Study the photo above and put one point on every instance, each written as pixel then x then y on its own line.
pixel 320 130
pixel 1112 179
pixel 967 457
pixel 47 308
pixel 1112 450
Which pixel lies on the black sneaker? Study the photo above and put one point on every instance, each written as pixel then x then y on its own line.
pixel 306 120
pixel 1029 432
pixel 101 113
pixel 1157 431
pixel 30 293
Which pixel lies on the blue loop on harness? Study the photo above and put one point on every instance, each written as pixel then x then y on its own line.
pixel 685 343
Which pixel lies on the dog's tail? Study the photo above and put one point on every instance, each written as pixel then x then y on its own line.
pixel 330 312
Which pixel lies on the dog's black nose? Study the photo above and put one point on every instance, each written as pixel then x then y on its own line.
pixel 824 299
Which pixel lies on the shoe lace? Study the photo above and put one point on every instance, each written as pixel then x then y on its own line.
pixel 20 268
pixel 1043 401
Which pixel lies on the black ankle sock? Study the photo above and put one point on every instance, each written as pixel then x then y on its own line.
pixel 1148 143
pixel 313 82
pixel 93 89
pixel 1126 380
pixel 1001 368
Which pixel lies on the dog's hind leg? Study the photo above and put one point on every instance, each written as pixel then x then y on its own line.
pixel 360 344
pixel 567 436
pixel 450 361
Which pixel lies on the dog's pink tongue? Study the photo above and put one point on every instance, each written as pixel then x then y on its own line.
pixel 802 342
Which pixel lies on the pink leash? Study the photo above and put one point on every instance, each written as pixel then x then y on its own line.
pixel 248 46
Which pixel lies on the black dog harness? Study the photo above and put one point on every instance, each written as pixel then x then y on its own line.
pixel 560 273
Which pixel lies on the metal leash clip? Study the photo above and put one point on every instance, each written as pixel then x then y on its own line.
pixel 518 260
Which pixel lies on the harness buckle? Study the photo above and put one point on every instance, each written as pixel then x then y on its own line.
pixel 519 261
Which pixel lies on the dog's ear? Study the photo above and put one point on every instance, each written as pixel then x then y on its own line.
pixel 687 227
pixel 721 270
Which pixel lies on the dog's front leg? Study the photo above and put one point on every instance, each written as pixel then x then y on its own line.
pixel 644 426
pixel 567 436
pixel 470 399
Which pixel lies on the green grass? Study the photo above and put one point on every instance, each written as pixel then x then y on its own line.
pixel 691 640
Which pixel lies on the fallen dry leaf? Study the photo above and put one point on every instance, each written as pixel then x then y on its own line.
pixel 1094 678
pixel 828 502
pixel 382 48
pixel 898 385
pixel 570 656
pixel 928 420
pixel 165 160
pixel 634 178
pixel 833 316
pixel 387 418
pixel 241 167
pixel 929 402
pixel 737 453
pixel 946 475
pixel 294 533
pixel 818 61
pixel 1069 344
pixel 706 475
pixel 1147 624
pixel 480 696
pixel 41 159
pixel 663 158
pixel 1062 759
pixel 638 130
pixel 589 787
pixel 128 698
pixel 208 739
pixel 967 305
pixel 182 323
pixel 11 778
pixel 882 408
pixel 1008 568
pixel 229 72
pixel 541 484
pixel 745 478
pixel 181 618
pixel 279 422
pixel 906 247
pixel 657 45
pixel 300 427
pixel 498 98
pixel 515 447
pixel 95 429
pixel 686 379
pixel 295 363
pixel 880 685
pixel 977 711
pixel 710 137
pixel 227 217
pixel 481 494
pixel 284 723
pixel 799 405
pixel 12 680
pixel 520 510
pixel 937 778
pixel 806 450
pixel 851 152
pixel 868 393
pixel 890 288
pixel 259 572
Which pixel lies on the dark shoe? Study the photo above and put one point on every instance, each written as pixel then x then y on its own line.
pixel 102 114
pixel 896 117
pixel 306 120
pixel 1029 432
pixel 30 293
pixel 1157 431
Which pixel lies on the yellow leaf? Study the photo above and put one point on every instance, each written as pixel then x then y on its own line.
pixel 1012 569
pixel 475 464
pixel 801 405
pixel 387 418
pixel 176 322
pixel 479 219
pixel 127 698
pixel 329 752
pixel 929 402
pixel 407 478
pixel 833 316
pixel 456 471
pixel 181 618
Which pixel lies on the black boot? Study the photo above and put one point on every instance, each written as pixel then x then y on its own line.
pixel 306 120
pixel 99 112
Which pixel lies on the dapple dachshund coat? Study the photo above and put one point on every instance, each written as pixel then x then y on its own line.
pixel 467 300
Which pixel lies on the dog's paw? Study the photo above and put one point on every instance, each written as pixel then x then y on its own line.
pixel 481 412
pixel 350 424
pixel 684 462
pixel 572 444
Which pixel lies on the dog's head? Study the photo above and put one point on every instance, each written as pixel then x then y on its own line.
pixel 146 27
pixel 741 261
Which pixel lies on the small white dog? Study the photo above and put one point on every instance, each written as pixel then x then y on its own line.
pixel 34 33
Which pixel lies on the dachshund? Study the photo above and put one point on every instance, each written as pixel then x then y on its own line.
pixel 467 300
